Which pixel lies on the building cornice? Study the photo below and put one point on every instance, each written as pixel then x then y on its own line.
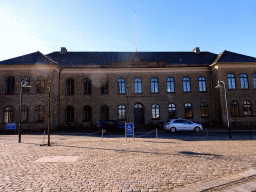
pixel 29 67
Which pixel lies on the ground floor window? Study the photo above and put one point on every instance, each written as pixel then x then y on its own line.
pixel 204 110
pixel 234 109
pixel 121 112
pixel 188 110
pixel 104 112
pixel 39 113
pixel 172 111
pixel 69 114
pixel 247 108
pixel 24 114
pixel 8 115
pixel 87 113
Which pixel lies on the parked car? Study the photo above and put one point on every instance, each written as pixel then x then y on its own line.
pixel 112 126
pixel 182 125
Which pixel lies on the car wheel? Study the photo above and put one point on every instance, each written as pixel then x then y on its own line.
pixel 197 129
pixel 173 129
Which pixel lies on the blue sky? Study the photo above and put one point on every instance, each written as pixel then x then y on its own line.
pixel 108 25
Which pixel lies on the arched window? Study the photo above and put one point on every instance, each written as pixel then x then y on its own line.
pixel 121 86
pixel 234 109
pixel 138 106
pixel 204 110
pixel 231 81
pixel 254 80
pixel 69 114
pixel 27 80
pixel 244 81
pixel 9 85
pixel 202 84
pixel 121 112
pixel 154 85
pixel 155 112
pixel 104 112
pixel 8 115
pixel 104 86
pixel 39 113
pixel 24 113
pixel 188 110
pixel 87 111
pixel 70 87
pixel 40 85
pixel 186 84
pixel 247 108
pixel 172 111
pixel 87 87
pixel 137 86
pixel 170 85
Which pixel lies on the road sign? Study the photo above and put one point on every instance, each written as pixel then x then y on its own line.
pixel 11 126
pixel 129 128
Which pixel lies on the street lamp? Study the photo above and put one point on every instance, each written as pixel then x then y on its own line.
pixel 24 83
pixel 218 86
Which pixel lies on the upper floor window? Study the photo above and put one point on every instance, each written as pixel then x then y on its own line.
pixel 154 85
pixel 244 81
pixel 87 87
pixel 172 111
pixel 247 108
pixel 188 110
pixel 121 86
pixel 70 87
pixel 137 85
pixel 27 80
pixel 254 80
pixel 121 112
pixel 104 86
pixel 9 85
pixel 204 110
pixel 69 114
pixel 234 109
pixel 202 84
pixel 155 112
pixel 231 81
pixel 24 113
pixel 87 112
pixel 170 85
pixel 40 85
pixel 8 115
pixel 186 84
pixel 39 113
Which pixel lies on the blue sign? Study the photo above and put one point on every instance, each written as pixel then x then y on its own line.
pixel 129 128
pixel 10 125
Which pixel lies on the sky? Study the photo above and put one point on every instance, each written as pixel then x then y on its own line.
pixel 108 25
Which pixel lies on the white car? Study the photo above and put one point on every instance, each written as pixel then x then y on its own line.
pixel 182 125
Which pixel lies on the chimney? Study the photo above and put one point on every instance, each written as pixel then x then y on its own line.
pixel 63 50
pixel 196 50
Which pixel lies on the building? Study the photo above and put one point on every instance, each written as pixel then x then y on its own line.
pixel 139 87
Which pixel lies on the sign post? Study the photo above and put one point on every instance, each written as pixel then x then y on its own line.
pixel 129 130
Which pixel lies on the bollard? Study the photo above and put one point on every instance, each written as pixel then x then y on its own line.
pixel 156 134
pixel 102 134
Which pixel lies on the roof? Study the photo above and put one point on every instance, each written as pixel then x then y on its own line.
pixel 103 58
pixel 231 57
pixel 29 59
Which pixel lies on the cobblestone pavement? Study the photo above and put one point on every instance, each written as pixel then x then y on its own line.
pixel 114 164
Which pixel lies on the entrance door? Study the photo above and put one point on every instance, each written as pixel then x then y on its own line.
pixel 138 114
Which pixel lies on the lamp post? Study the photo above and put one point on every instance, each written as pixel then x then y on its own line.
pixel 218 86
pixel 24 83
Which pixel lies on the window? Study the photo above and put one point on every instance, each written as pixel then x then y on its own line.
pixel 204 110
pixel 104 112
pixel 70 87
pixel 87 87
pixel 9 85
pixel 234 109
pixel 27 80
pixel 202 84
pixel 24 114
pixel 87 111
pixel 39 113
pixel 104 86
pixel 244 81
pixel 254 80
pixel 69 114
pixel 121 112
pixel 40 85
pixel 154 85
pixel 8 115
pixel 121 86
pixel 247 108
pixel 170 85
pixel 231 81
pixel 186 84
pixel 172 111
pixel 137 86
pixel 155 112
pixel 188 110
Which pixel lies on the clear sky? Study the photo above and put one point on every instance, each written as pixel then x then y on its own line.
pixel 108 25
